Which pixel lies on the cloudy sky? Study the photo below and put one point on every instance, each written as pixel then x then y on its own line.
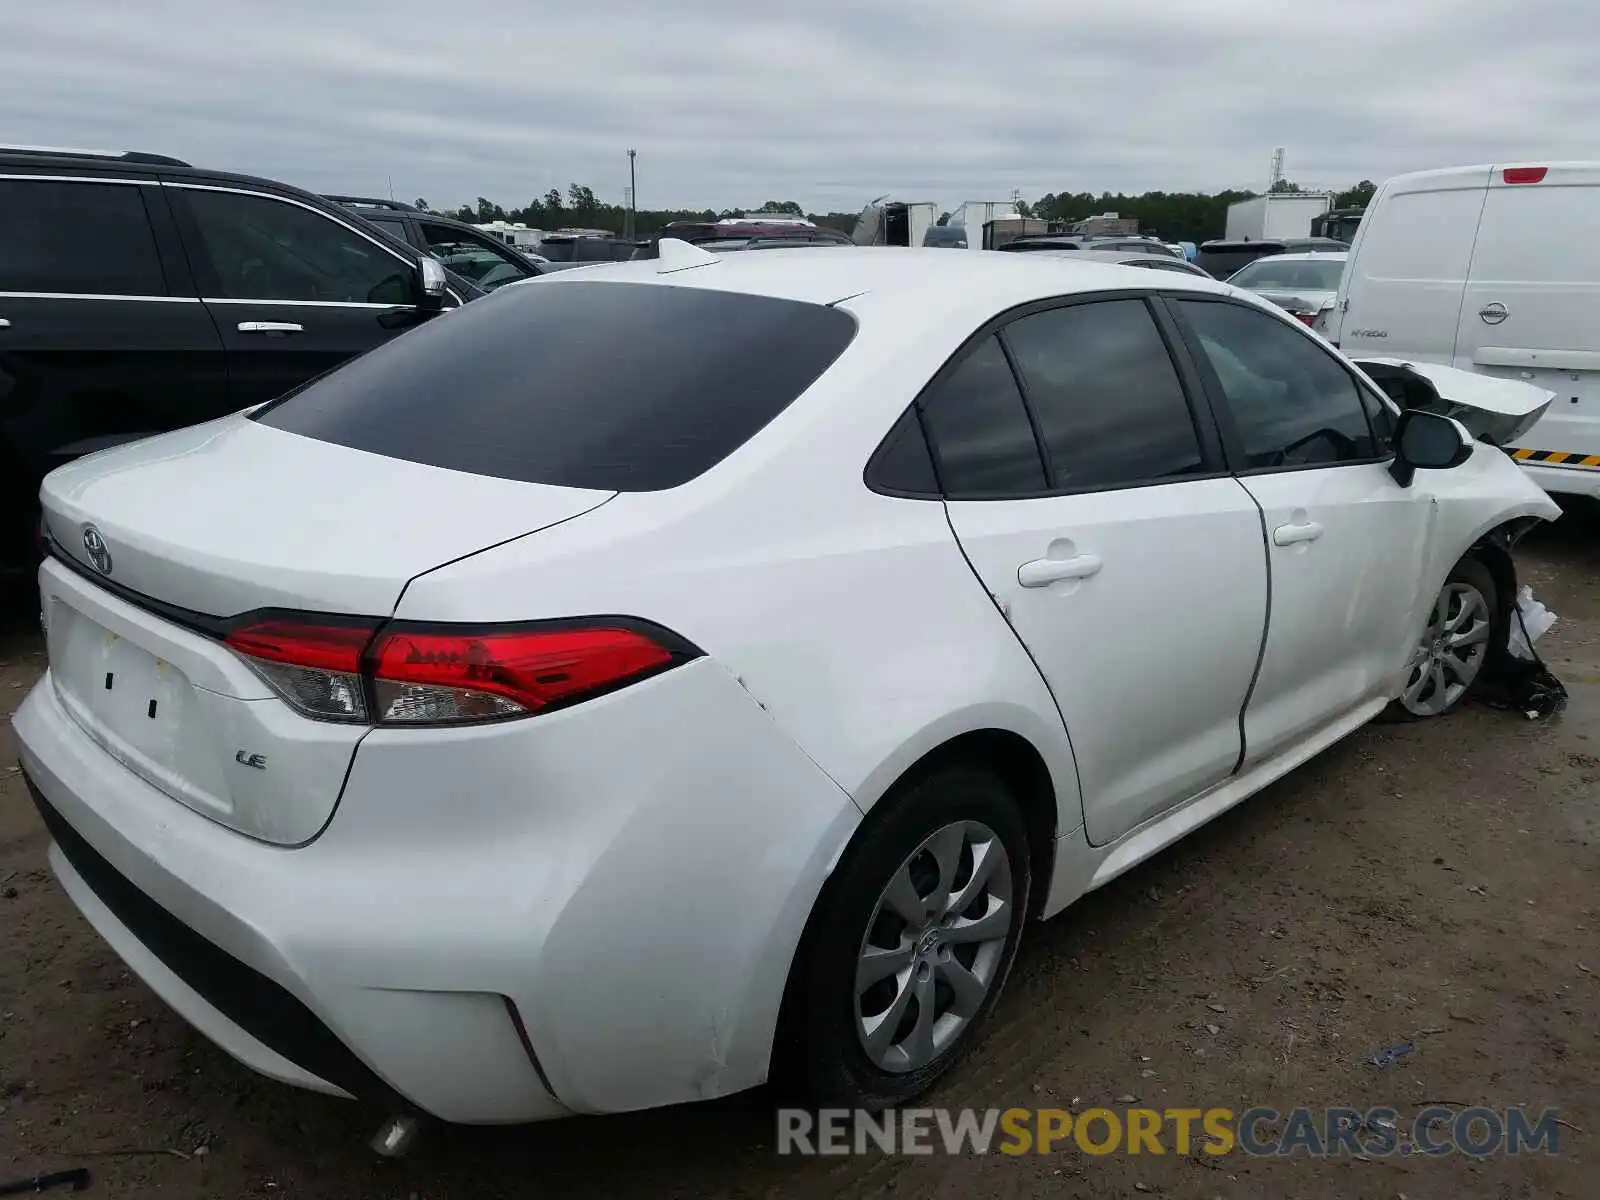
pixel 733 102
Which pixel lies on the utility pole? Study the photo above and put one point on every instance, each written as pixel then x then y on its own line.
pixel 633 192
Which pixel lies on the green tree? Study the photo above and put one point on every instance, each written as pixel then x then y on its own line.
pixel 789 208
pixel 582 200
pixel 421 205
pixel 1357 197
pixel 489 211
pixel 1284 185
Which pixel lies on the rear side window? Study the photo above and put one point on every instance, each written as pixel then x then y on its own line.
pixel 613 386
pixel 1106 395
pixel 77 239
pixel 982 439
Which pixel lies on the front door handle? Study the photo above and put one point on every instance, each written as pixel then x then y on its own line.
pixel 4 324
pixel 1042 572
pixel 271 328
pixel 1290 535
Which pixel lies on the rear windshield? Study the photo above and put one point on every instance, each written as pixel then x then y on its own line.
pixel 615 386
pixel 1304 274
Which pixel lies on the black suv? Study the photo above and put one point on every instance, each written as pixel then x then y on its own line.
pixel 469 252
pixel 139 294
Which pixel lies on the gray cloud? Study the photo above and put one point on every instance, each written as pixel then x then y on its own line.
pixel 829 104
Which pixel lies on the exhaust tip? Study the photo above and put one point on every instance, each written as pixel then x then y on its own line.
pixel 396 1136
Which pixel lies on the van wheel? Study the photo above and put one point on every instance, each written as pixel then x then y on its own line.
pixel 1463 631
pixel 909 946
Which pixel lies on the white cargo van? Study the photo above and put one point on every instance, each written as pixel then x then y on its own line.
pixel 1495 270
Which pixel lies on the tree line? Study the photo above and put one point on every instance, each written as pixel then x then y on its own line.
pixel 1177 216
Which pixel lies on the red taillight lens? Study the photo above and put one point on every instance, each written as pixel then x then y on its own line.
pixel 444 675
pixel 430 676
pixel 1305 318
pixel 1524 174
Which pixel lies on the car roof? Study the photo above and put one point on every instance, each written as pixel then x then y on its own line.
pixel 985 281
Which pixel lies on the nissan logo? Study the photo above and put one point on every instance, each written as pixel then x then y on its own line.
pixel 95 547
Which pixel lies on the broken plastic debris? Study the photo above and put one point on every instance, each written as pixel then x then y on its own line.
pixel 1533 621
pixel 1385 1057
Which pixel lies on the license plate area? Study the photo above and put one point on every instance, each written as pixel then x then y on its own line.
pixel 139 707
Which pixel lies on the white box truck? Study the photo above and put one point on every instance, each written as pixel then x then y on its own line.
pixel 1275 215
pixel 1493 269
pixel 886 222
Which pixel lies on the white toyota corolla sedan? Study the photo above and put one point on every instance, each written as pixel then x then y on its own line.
pixel 660 677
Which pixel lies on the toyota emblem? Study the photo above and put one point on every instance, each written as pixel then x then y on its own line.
pixel 95 547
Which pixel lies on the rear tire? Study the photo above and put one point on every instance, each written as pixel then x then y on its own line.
pixel 933 969
pixel 1464 633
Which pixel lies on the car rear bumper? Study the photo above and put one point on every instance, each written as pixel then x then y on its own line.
pixel 589 911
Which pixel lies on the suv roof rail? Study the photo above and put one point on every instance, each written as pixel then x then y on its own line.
pixel 372 202
pixel 138 156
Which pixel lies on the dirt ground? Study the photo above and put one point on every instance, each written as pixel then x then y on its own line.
pixel 1431 883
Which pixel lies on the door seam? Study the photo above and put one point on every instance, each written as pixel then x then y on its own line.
pixel 1266 628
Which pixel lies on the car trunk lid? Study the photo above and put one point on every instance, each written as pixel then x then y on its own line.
pixel 282 520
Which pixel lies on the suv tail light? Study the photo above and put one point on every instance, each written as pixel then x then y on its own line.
pixel 402 674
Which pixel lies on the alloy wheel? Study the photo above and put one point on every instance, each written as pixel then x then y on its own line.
pixel 1452 651
pixel 935 946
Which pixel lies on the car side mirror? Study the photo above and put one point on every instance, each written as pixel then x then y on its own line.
pixel 431 282
pixel 1428 441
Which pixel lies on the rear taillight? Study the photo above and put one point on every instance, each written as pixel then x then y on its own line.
pixel 1305 318
pixel 450 675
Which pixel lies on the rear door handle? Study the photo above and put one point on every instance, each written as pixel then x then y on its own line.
pixel 4 324
pixel 1042 572
pixel 270 328
pixel 1289 535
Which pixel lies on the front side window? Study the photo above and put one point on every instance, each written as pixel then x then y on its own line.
pixel 982 440
pixel 486 263
pixel 1293 403
pixel 1106 395
pixel 265 249
pixel 77 239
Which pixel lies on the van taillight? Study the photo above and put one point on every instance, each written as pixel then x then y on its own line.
pixel 1524 174
pixel 403 674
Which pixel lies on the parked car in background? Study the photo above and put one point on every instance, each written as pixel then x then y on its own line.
pixel 1495 270
pixel 501 752
pixel 1301 284
pixel 946 237
pixel 564 250
pixel 486 260
pixel 1221 258
pixel 763 234
pixel 1032 243
pixel 139 293
pixel 1128 258
pixel 726 245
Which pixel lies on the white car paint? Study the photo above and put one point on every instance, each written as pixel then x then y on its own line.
pixel 1494 270
pixel 475 911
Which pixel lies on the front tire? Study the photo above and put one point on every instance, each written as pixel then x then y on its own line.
pixel 910 944
pixel 1464 632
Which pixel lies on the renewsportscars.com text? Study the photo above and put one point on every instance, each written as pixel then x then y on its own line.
pixel 1262 1132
